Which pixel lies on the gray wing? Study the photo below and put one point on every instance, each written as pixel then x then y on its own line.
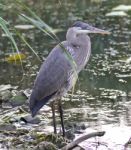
pixel 53 74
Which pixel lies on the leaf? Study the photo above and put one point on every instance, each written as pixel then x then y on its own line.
pixel 116 13
pixel 16 57
pixel 122 8
pixel 18 100
pixel 24 27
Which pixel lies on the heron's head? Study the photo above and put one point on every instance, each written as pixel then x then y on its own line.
pixel 84 28
pixel 78 33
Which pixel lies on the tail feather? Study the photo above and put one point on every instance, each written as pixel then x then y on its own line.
pixel 36 105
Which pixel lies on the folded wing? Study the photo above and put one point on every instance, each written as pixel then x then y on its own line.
pixel 52 77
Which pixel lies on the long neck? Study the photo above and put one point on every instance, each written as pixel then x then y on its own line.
pixel 80 48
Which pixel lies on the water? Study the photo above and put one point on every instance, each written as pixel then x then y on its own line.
pixel 103 92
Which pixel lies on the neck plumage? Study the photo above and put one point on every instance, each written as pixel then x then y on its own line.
pixel 79 47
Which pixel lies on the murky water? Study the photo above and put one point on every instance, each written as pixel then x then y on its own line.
pixel 103 92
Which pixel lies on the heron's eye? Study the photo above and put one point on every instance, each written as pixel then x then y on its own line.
pixel 75 46
pixel 77 35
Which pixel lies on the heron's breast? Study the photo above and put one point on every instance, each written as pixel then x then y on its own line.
pixel 80 55
pixel 68 85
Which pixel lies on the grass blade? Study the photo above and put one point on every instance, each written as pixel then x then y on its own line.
pixel 37 24
pixel 3 25
pixel 24 40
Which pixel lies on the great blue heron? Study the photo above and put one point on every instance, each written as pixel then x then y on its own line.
pixel 56 76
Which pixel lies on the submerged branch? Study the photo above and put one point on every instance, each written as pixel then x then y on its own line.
pixel 81 139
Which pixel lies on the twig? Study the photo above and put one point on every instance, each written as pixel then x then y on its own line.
pixel 81 139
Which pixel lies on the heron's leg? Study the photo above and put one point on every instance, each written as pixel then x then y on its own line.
pixel 61 117
pixel 53 116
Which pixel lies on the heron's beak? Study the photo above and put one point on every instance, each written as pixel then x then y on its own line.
pixel 91 29
pixel 96 30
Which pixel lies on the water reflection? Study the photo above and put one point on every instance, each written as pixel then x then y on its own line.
pixel 99 110
pixel 103 92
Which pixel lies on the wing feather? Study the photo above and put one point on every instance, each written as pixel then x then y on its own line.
pixel 53 74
